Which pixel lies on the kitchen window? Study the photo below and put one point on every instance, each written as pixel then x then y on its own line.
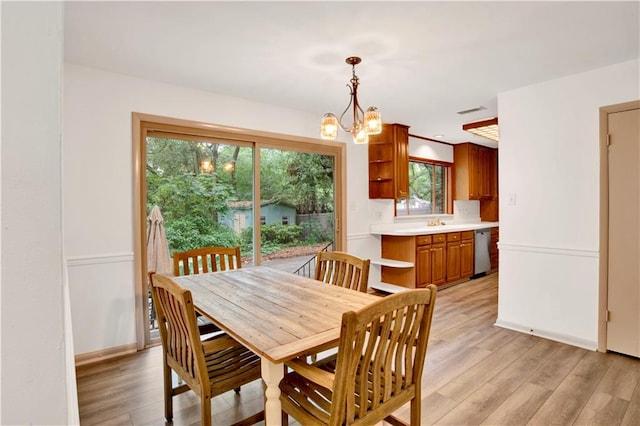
pixel 429 191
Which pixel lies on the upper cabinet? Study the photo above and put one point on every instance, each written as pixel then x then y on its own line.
pixel 476 177
pixel 389 162
pixel 476 172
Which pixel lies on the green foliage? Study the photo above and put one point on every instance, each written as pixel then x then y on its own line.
pixel 187 195
pixel 192 232
pixel 312 177
pixel 192 199
pixel 280 234
pixel 246 241
pixel 314 232
pixel 276 236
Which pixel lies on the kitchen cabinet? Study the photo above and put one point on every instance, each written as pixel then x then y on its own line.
pixel 399 249
pixel 467 253
pixel 493 248
pixel 423 261
pixel 459 255
pixel 453 256
pixel 389 162
pixel 475 171
pixel 438 260
pixel 476 177
pixel 416 261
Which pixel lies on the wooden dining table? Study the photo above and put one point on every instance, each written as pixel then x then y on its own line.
pixel 276 314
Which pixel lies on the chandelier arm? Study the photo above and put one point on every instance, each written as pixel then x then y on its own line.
pixel 340 122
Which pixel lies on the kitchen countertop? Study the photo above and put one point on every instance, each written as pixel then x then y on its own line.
pixel 437 229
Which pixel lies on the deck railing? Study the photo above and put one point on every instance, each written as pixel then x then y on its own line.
pixel 309 267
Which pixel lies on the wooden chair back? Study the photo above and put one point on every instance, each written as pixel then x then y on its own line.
pixel 206 259
pixel 208 367
pixel 343 269
pixel 377 369
pixel 182 348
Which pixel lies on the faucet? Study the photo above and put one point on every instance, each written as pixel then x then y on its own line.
pixel 435 222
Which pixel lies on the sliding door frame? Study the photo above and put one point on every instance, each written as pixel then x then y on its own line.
pixel 143 124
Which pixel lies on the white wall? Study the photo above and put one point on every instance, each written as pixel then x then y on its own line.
pixel 38 376
pixel 549 160
pixel 430 150
pixel 98 185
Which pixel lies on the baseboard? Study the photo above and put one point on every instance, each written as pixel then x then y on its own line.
pixel 569 340
pixel 104 354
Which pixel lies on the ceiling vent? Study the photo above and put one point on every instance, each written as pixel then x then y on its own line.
pixel 468 111
pixel 485 128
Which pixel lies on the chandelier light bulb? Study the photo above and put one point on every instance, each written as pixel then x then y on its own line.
pixel 360 135
pixel 373 121
pixel 329 126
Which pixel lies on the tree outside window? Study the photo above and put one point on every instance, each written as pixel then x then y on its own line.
pixel 427 190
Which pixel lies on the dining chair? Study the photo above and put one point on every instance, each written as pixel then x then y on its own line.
pixel 376 370
pixel 210 367
pixel 343 269
pixel 206 259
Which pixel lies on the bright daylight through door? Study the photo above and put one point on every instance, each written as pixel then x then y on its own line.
pixel 204 190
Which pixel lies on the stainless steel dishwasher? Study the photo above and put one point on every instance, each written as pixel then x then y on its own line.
pixel 482 262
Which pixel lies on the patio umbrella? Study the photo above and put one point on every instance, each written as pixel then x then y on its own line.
pixel 158 259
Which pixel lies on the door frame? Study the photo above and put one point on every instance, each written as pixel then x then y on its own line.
pixel 603 278
pixel 142 123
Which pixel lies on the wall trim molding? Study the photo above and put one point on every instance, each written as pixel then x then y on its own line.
pixel 95 260
pixel 546 334
pixel 362 236
pixel 548 250
pixel 104 354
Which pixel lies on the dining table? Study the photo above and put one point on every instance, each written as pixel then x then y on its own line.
pixel 276 314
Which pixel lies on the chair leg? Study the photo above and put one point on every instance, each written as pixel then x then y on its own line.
pixel 168 393
pixel 205 410
pixel 285 419
pixel 415 410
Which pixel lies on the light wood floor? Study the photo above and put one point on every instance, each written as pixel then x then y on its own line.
pixel 476 374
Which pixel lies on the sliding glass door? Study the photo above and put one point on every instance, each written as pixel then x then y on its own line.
pixel 297 208
pixel 279 201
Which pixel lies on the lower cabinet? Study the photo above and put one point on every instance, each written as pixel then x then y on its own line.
pixel 460 255
pixel 430 260
pixel 436 258
pixel 423 261
pixel 467 253
pixel 453 256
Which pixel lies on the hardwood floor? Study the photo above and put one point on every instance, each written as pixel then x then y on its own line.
pixel 476 374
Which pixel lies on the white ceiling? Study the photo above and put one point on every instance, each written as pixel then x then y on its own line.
pixel 421 61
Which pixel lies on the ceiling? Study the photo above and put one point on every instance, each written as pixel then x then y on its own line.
pixel 422 62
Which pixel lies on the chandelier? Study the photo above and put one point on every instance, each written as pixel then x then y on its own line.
pixel 363 124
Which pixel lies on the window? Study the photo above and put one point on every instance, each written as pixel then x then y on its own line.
pixel 428 189
pixel 285 220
